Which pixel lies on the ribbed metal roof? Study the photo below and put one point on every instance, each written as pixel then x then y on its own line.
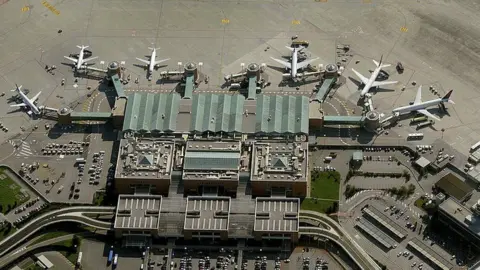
pixel 210 160
pixel 147 112
pixel 282 114
pixel 217 113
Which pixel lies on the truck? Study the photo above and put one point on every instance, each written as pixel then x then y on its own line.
pixel 425 124
pixel 79 260
pixel 419 119
pixel 115 260
pixel 110 256
pixel 327 159
pixel 79 160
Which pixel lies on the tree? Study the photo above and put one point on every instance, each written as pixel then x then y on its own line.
pixel 75 241
pixel 350 191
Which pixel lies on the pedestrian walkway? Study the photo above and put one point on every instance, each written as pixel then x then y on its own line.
pixel 24 150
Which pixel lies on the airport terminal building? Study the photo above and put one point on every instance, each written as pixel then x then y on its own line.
pixel 211 166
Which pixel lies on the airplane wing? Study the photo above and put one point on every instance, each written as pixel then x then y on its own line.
pixel 35 97
pixel 144 61
pixel 418 97
pixel 90 59
pixel 19 105
pixel 305 63
pixel 160 61
pixel 286 64
pixel 426 113
pixel 71 59
pixel 360 76
pixel 377 84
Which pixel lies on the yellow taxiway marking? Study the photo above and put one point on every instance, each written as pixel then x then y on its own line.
pixel 25 8
pixel 225 21
pixel 404 29
pixel 51 8
pixel 296 22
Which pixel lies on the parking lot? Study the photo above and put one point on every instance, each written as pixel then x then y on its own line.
pixel 399 256
pixel 68 166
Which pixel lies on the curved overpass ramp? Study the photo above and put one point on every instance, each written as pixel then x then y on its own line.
pixel 69 214
pixel 10 258
pixel 351 247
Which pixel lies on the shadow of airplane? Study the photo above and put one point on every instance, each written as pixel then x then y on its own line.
pixel 278 69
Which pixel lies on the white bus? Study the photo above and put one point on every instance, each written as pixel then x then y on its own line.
pixel 475 146
pixel 79 259
pixel 415 136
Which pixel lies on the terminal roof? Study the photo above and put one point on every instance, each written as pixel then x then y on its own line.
pixel 217 113
pixel 148 112
pixel 138 212
pixel 277 214
pixel 282 114
pixel 463 216
pixel 454 186
pixel 207 213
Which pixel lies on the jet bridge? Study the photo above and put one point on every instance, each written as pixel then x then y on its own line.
pixel 343 120
pixel 67 116
pixel 325 88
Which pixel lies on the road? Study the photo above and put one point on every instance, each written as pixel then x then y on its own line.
pixel 69 214
pixel 11 257
pixel 340 236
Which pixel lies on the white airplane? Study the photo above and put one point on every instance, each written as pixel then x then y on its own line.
pixel 152 64
pixel 27 102
pixel 294 66
pixel 369 83
pixel 80 62
pixel 421 107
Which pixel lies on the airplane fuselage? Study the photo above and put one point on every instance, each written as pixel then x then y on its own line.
pixel 80 59
pixel 419 106
pixel 27 102
pixel 372 79
pixel 293 70
pixel 151 66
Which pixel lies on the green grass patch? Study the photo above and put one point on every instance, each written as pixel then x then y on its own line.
pixel 11 195
pixel 419 203
pixel 6 231
pixel 49 235
pixel 325 185
pixel 70 252
pixel 317 205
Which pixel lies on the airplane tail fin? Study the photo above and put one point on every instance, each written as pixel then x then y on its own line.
pixel 17 88
pixel 447 97
pixel 152 48
pixel 290 48
pixel 82 47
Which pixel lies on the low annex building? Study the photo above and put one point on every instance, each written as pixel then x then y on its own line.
pixel 138 215
pixel 207 217
pixel 277 218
